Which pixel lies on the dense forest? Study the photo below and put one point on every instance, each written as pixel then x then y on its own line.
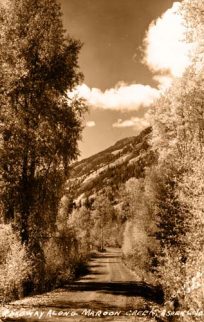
pixel 148 198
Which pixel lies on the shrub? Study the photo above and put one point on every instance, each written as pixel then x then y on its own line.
pixel 14 264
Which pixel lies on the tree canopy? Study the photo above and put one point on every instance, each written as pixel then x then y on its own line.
pixel 40 124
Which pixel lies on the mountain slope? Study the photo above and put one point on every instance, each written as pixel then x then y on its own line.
pixel 111 167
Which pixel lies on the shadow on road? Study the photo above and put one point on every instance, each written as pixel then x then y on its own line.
pixel 141 289
pixel 98 267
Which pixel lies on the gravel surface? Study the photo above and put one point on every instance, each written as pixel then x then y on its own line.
pixel 109 292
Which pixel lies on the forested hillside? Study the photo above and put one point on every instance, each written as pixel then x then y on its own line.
pixel 110 168
pixel 96 196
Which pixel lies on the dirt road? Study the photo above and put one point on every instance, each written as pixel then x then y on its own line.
pixel 109 292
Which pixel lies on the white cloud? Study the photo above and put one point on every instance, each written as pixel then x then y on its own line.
pixel 122 97
pixel 165 48
pixel 164 81
pixel 90 124
pixel 166 54
pixel 134 122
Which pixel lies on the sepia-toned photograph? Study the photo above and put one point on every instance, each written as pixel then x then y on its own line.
pixel 101 161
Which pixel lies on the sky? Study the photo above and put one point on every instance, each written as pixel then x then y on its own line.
pixel 132 50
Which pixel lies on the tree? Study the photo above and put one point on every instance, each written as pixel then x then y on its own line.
pixel 106 223
pixel 40 124
pixel 178 136
pixel 139 243
pixel 193 18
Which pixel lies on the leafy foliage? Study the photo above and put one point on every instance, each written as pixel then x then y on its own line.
pixel 40 124
pixel 139 243
pixel 178 136
pixel 14 264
